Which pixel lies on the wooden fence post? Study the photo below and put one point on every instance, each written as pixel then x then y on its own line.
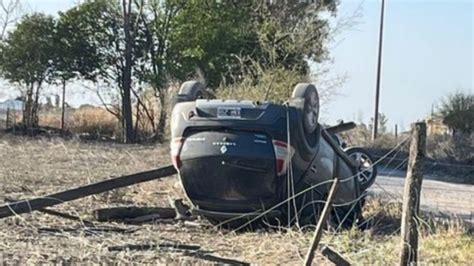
pixel 7 122
pixel 411 197
pixel 396 131
pixel 14 122
pixel 26 206
pixel 322 219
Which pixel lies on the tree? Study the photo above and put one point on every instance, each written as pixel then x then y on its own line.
pixel 156 67
pixel 457 111
pixel 130 44
pixel 235 40
pixel 26 58
pixel 111 30
pixel 127 71
pixel 207 35
pixel 10 11
pixel 285 39
pixel 73 56
pixel 292 35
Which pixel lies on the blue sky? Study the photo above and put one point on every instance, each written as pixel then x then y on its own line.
pixel 428 53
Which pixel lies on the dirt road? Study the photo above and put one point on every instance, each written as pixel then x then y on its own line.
pixel 440 197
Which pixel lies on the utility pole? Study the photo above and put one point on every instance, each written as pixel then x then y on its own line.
pixel 379 67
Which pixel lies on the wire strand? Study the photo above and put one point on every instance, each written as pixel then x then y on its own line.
pixel 317 185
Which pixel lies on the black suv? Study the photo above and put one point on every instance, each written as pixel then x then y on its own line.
pixel 245 161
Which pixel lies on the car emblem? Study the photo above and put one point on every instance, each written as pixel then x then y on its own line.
pixel 223 149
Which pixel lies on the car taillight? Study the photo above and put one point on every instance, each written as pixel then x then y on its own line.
pixel 282 150
pixel 176 145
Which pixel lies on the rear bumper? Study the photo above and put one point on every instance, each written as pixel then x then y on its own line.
pixel 226 170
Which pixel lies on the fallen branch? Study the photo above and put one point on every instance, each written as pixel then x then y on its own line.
pixel 141 247
pixel 212 258
pixel 87 230
pixel 334 257
pixel 188 250
pixel 131 213
pixel 145 219
pixel 60 214
pixel 26 206
pixel 192 224
pixel 67 216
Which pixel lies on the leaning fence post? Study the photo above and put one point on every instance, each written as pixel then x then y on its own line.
pixel 322 219
pixel 411 197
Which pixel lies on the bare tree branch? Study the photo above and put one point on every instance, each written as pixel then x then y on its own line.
pixel 10 12
pixel 107 106
pixel 145 109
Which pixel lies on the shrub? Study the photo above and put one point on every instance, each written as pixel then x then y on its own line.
pixel 272 85
pixel 457 110
pixel 451 149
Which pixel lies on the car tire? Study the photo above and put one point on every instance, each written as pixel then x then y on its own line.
pixel 366 170
pixel 305 102
pixel 309 109
pixel 191 91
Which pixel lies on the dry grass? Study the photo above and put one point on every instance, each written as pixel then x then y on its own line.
pixel 91 120
pixel 32 167
pixel 96 122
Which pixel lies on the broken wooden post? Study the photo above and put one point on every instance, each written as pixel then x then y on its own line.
pixel 132 212
pixel 67 216
pixel 322 219
pixel 141 247
pixel 59 214
pixel 411 197
pixel 334 257
pixel 25 206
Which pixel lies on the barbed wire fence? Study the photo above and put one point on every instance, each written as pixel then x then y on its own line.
pixel 401 163
pixel 262 213
pixel 396 198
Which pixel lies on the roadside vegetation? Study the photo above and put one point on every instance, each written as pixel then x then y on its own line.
pixel 35 167
pixel 130 51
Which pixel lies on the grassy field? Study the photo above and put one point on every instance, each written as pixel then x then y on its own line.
pixel 32 167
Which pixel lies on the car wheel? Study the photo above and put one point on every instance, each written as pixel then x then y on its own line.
pixel 191 91
pixel 309 107
pixel 305 102
pixel 366 170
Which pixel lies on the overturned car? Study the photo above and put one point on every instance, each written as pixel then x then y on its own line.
pixel 242 162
